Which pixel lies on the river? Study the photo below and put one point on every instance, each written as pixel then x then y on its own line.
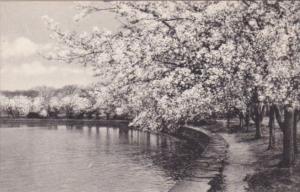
pixel 81 158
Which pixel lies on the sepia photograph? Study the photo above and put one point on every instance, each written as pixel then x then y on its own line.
pixel 149 96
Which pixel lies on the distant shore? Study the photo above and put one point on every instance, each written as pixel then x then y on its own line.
pixel 58 121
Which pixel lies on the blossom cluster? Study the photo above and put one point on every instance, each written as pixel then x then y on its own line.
pixel 171 62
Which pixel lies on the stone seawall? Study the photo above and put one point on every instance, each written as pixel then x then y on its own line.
pixel 208 169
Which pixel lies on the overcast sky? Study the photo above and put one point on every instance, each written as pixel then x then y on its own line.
pixel 23 34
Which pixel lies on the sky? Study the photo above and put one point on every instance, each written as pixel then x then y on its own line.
pixel 23 35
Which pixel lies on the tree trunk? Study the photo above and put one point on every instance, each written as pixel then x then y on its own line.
pixel 97 115
pixel 258 117
pixel 271 128
pixel 258 132
pixel 107 116
pixel 241 117
pixel 288 140
pixel 278 115
pixel 228 119
pixel 296 114
pixel 247 120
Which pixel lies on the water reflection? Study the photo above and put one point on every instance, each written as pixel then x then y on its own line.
pixel 91 158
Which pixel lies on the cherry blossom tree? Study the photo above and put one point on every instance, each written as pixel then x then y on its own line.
pixel 171 62
pixel 75 106
pixel 3 104
pixel 17 106
pixel 54 107
pixel 37 104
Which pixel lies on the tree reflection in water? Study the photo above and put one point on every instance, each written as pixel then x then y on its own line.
pixel 174 156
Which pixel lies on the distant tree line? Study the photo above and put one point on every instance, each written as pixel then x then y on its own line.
pixel 67 102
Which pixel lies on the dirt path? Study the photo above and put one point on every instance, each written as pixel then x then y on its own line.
pixel 240 159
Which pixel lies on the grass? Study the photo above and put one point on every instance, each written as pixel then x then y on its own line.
pixel 268 176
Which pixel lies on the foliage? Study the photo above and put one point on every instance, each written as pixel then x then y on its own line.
pixel 174 61
pixel 16 106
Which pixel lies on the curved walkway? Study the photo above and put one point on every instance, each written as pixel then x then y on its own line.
pixel 209 168
pixel 239 162
pixel 225 157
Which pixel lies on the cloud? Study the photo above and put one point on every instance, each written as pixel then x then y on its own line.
pixel 20 47
pixel 36 68
pixel 30 68
pixel 37 73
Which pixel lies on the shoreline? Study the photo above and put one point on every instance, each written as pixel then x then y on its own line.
pixel 208 173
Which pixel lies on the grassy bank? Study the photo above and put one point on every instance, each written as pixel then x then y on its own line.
pixel 268 176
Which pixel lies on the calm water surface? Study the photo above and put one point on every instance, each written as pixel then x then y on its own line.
pixel 61 158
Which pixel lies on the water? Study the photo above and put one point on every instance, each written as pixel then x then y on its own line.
pixel 64 158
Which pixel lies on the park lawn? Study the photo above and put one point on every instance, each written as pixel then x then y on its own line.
pixel 268 176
